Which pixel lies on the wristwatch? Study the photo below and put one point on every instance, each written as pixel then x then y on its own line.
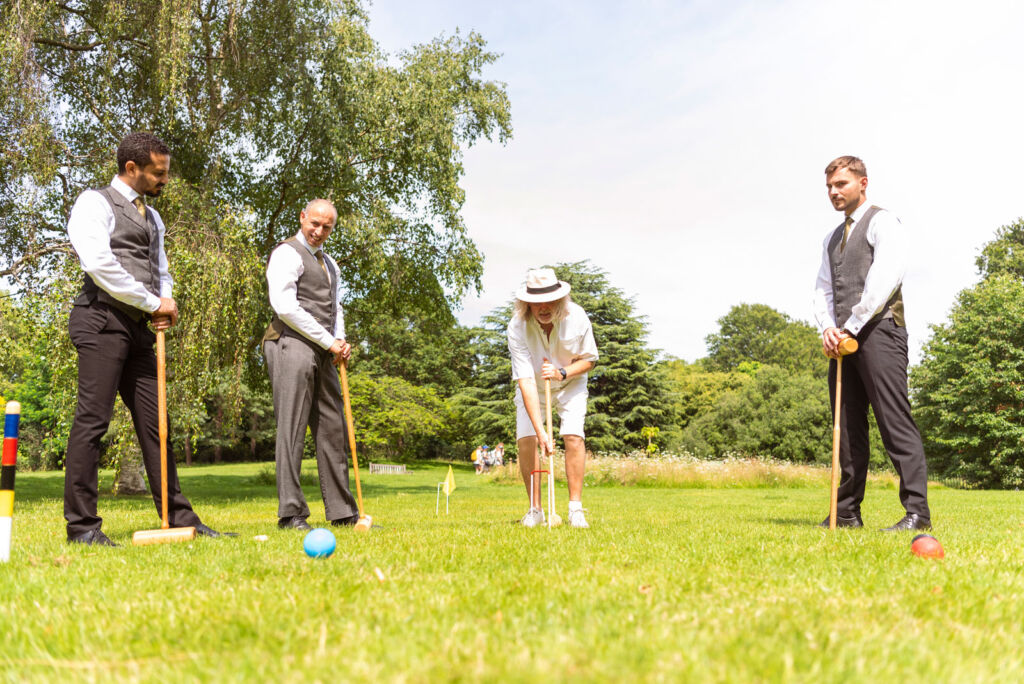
pixel 562 371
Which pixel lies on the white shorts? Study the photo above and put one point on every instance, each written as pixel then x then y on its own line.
pixel 570 401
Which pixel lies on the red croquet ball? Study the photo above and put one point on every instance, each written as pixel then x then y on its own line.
pixel 927 546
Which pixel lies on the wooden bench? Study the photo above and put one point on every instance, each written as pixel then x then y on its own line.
pixel 388 469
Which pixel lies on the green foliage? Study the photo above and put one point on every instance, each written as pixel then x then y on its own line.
pixel 757 332
pixel 428 351
pixel 1004 254
pixel 695 390
pixel 969 388
pixel 628 390
pixel 776 414
pixel 486 404
pixel 396 419
pixel 265 106
pixel 38 369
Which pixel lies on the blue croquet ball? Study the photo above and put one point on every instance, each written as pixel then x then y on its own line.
pixel 319 543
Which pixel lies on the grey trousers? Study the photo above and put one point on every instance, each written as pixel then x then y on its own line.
pixel 307 392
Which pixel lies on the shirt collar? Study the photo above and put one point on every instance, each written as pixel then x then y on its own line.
pixel 859 212
pixel 302 241
pixel 124 189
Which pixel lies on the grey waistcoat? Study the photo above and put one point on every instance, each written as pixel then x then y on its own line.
pixel 136 246
pixel 850 270
pixel 315 292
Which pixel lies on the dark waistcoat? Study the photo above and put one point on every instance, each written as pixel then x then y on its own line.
pixel 315 292
pixel 850 269
pixel 136 246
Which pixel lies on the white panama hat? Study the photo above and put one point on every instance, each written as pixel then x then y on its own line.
pixel 542 285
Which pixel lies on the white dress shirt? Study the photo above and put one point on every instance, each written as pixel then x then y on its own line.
pixel 888 238
pixel 90 226
pixel 283 271
pixel 571 338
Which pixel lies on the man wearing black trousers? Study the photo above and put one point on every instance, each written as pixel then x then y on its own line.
pixel 859 294
pixel 120 244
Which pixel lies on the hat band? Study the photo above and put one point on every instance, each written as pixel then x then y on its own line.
pixel 542 290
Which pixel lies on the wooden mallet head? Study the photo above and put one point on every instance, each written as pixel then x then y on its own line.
pixel 847 346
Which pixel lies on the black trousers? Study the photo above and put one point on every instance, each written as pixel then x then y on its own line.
pixel 115 356
pixel 877 376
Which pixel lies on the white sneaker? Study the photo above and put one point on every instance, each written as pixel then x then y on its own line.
pixel 577 519
pixel 533 517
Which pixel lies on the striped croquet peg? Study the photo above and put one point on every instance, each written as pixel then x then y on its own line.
pixel 10 458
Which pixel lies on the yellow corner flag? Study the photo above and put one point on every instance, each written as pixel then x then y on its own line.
pixel 449 482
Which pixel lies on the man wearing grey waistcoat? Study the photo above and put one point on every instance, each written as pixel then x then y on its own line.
pixel 303 344
pixel 119 241
pixel 859 294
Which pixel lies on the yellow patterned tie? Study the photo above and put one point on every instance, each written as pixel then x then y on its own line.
pixel 320 260
pixel 140 205
pixel 846 233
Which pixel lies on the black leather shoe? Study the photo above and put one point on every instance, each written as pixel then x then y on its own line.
pixel 346 522
pixel 843 521
pixel 911 521
pixel 295 523
pixel 205 531
pixel 92 538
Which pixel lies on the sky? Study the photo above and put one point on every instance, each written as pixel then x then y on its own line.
pixel 681 146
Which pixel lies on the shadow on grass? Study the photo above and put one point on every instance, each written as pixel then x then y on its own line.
pixel 200 484
pixel 792 522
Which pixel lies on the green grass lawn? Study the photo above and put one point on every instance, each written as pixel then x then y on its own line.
pixel 667 585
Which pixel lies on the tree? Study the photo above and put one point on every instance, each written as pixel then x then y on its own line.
pixel 265 105
pixel 777 413
pixel 695 390
pixel 969 388
pixel 425 350
pixel 1004 254
pixel 485 403
pixel 757 332
pixel 627 388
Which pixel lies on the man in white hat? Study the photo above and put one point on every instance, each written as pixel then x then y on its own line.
pixel 550 338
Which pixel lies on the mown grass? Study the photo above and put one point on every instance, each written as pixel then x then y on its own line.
pixel 721 584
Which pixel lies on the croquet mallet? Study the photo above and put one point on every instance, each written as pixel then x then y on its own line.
pixel 166 534
pixel 365 522
pixel 554 520
pixel 847 346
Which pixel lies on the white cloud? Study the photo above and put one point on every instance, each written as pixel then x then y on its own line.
pixel 681 147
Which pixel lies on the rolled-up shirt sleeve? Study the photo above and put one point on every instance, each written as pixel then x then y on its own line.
pixel 522 363
pixel 283 271
pixel 89 228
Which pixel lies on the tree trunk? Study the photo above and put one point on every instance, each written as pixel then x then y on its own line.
pixel 188 451
pixel 218 425
pixel 252 440
pixel 130 476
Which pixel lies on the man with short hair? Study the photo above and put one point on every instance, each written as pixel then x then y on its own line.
pixel 858 294
pixel 119 241
pixel 303 344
